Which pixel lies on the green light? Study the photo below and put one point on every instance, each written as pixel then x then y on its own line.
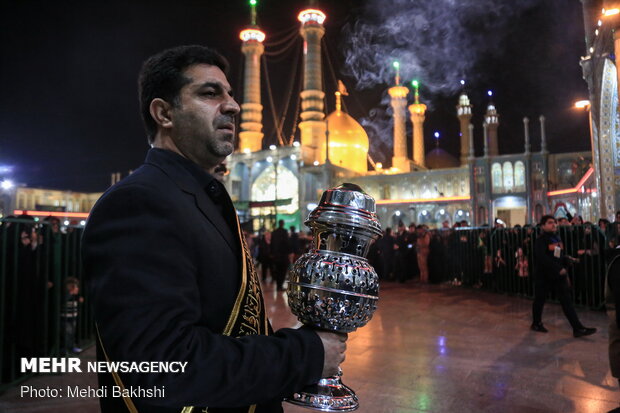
pixel 252 2
pixel 414 83
pixel 396 65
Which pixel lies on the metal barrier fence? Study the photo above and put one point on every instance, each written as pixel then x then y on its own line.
pixel 502 260
pixel 37 259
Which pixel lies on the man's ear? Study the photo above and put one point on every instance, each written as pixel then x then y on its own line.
pixel 161 112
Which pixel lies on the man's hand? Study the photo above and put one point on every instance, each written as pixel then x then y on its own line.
pixel 563 271
pixel 334 344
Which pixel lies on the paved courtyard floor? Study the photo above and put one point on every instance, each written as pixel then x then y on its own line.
pixel 439 349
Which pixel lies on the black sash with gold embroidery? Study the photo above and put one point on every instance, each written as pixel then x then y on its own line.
pixel 248 316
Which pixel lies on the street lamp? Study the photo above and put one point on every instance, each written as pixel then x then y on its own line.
pixel 6 184
pixel 583 104
pixel 586 105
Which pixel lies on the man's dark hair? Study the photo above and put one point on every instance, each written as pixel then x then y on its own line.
pixel 162 77
pixel 546 218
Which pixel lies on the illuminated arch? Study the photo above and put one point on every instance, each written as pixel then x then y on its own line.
pixel 519 176
pixel 509 179
pixel 425 217
pixel 440 218
pixel 264 187
pixel 496 177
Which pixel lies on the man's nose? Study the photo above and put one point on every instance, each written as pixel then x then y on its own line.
pixel 231 107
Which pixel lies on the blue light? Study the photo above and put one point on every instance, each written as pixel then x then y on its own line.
pixel 436 135
pixel 462 82
pixel 6 169
pixel 490 93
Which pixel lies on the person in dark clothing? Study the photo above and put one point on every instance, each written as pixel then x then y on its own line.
pixel 280 250
pixel 413 269
pixel 551 274
pixel 264 255
pixel 400 269
pixel 614 232
pixel 69 316
pixel 31 297
pixel 168 270
pixel 295 244
pixel 436 258
pixel 386 248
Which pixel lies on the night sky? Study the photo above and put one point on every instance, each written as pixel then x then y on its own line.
pixel 68 98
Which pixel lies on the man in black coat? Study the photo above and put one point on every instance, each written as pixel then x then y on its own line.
pixel 551 274
pixel 170 275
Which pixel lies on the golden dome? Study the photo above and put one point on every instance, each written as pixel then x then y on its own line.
pixel 348 141
pixel 440 159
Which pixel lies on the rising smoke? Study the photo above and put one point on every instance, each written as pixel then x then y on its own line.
pixel 436 41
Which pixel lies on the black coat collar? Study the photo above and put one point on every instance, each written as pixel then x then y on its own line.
pixel 192 180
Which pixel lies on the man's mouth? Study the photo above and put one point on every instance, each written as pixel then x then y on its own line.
pixel 229 126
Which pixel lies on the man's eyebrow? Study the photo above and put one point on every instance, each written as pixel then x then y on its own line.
pixel 215 85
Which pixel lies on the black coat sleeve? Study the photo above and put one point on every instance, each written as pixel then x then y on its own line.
pixel 142 275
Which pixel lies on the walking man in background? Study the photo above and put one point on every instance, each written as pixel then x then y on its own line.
pixel 552 274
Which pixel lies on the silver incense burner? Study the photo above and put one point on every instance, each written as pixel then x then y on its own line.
pixel 332 286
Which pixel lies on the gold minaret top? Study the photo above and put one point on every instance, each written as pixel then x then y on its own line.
pixel 348 141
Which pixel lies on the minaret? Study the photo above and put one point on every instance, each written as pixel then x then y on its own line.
pixel 416 111
pixel 485 134
pixel 312 126
pixel 543 136
pixel 491 118
pixel 463 111
pixel 526 134
pixel 251 133
pixel 398 101
pixel 527 158
pixel 470 129
pixel 471 164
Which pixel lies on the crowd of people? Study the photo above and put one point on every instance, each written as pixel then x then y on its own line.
pixel 40 297
pixel 275 251
pixel 496 258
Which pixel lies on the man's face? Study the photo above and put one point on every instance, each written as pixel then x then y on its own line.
pixel 550 225
pixel 25 238
pixel 203 120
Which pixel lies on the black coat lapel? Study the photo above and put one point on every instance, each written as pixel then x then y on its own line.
pixel 187 183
